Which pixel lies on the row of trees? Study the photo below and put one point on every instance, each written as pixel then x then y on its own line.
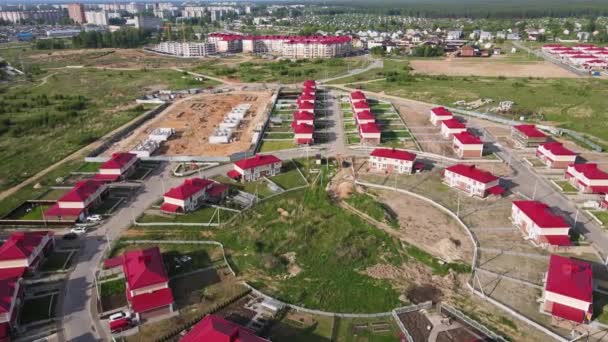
pixel 123 38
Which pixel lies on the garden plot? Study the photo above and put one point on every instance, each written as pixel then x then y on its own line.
pixel 302 327
pixel 507 241
pixel 38 309
pixel 366 329
pixel 522 267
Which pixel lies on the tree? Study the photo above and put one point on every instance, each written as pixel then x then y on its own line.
pixel 377 51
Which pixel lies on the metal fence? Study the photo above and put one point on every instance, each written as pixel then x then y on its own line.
pixel 398 311
pixel 450 311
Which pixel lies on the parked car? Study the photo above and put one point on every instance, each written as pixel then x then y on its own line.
pixel 118 315
pixel 120 324
pixel 78 230
pixel 94 218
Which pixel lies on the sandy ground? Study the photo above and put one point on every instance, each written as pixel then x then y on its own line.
pixel 195 118
pixel 488 67
pixel 416 117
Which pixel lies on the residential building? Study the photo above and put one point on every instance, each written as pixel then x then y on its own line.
pixel 215 328
pixel 191 194
pixel 450 127
pixel 587 178
pixel 75 204
pixel 26 249
pixel 369 134
pixel 467 51
pixel 307 97
pixel 360 106
pixel 254 168
pixel 76 13
pixel 555 155
pixel 364 117
pixel 309 84
pixel 299 46
pixel 466 145
pixel 306 107
pixel 568 292
pixel 147 283
pixel 357 96
pixel 185 49
pixel 46 15
pixel 454 35
pixel 392 160
pixel 119 167
pixel 473 181
pixel 528 135
pixel 440 114
pixel 303 133
pixel 99 18
pixel 226 42
pixel 193 12
pixel 304 118
pixel 11 283
pixel 539 224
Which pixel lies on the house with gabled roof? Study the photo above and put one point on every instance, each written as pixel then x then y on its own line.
pixel 303 133
pixel 568 290
pixel 360 106
pixel 364 117
pixel 587 178
pixel 473 181
pixel 147 283
pixel 392 160
pixel 539 224
pixel 357 96
pixel 528 135
pixel 450 127
pixel 26 249
pixel 119 167
pixel 439 114
pixel 214 328
pixel 555 155
pixel 254 168
pixel 307 98
pixel 306 106
pixel 191 194
pixel 467 145
pixel 11 297
pixel 75 204
pixel 304 118
pixel 369 134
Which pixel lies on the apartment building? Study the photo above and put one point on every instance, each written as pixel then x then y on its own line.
pixel 185 49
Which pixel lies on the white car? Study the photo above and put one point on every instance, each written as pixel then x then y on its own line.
pixel 94 218
pixel 118 315
pixel 78 230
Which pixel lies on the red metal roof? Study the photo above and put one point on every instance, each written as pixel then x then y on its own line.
pixel 453 124
pixel 106 177
pixel 305 105
pixel 557 149
pixel 144 267
pixel 369 127
pixel 361 105
pixel 496 190
pixel 568 312
pixel 557 240
pixel 188 188
pixel 56 211
pixel 303 116
pixel 8 284
pixel 118 160
pixel 541 214
pixel 302 128
pixel 81 191
pixel 214 328
pixel 151 300
pixel 357 95
pixel 599 189
pixel 226 36
pixel 306 97
pixel 466 138
pixel 570 277
pixel 170 208
pixel 530 131
pixel 301 141
pixel 472 172
pixel 20 245
pixel 365 115
pixel 112 262
pixel 234 174
pixel 217 189
pixel 309 83
pixel 590 170
pixel 441 111
pixel 257 160
pixel 393 154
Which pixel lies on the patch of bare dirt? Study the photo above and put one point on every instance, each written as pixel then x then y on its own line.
pixel 491 67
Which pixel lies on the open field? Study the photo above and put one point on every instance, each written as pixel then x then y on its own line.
pixel 194 120
pixel 282 71
pixel 577 104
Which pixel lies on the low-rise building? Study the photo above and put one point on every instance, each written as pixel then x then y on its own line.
pixel 467 145
pixel 215 328
pixel 147 283
pixel 307 98
pixel 191 194
pixel 226 42
pixel 528 135
pixel 587 178
pixel 357 96
pixel 450 127
pixel 439 114
pixel 185 49
pixel 473 181
pixel 254 168
pixel 369 134
pixel 360 106
pixel 304 118
pixel 392 160
pixel 120 166
pixel 75 204
pixel 555 155
pixel 539 224
pixel 364 117
pixel 568 292
pixel 26 249
pixel 303 133
pixel 306 106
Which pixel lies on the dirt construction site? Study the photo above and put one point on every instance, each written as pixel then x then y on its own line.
pixel 196 118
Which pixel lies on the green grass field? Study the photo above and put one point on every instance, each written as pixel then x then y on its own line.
pixel 268 146
pixel 202 215
pixel 602 216
pixel 376 210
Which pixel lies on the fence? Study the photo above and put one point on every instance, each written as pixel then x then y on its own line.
pixel 450 311
pixel 398 311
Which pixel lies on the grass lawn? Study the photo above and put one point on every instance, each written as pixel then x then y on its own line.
pixel 56 261
pixel 268 146
pixel 373 74
pixel 38 309
pixel 112 287
pixel 36 213
pixel 566 186
pixel 536 162
pixel 353 138
pixel 279 135
pixel 89 167
pixel 376 210
pixel 289 178
pixel 602 216
pixel 202 215
pixel 577 103
pixel 53 194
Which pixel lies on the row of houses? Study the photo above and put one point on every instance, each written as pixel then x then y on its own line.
pixel 583 56
pixel 464 143
pixel 367 127
pixel 303 125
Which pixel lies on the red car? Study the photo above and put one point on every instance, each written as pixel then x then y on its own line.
pixel 120 325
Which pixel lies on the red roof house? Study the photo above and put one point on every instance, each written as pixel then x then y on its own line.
pixel 11 294
pixel 148 291
pixel 568 293
pixel 360 106
pixel 440 114
pixel 450 127
pixel 119 166
pixel 555 155
pixel 588 178
pixel 528 135
pixel 392 160
pixel 214 328
pixel 304 118
pixel 306 107
pixel 309 91
pixel 74 204
pixel 303 133
pixel 474 181
pixel 309 84
pixel 25 249
pixel 357 96
pixel 467 145
pixel 539 224
pixel 254 168
pixel 307 98
pixel 369 133
pixel 190 195
pixel 364 117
